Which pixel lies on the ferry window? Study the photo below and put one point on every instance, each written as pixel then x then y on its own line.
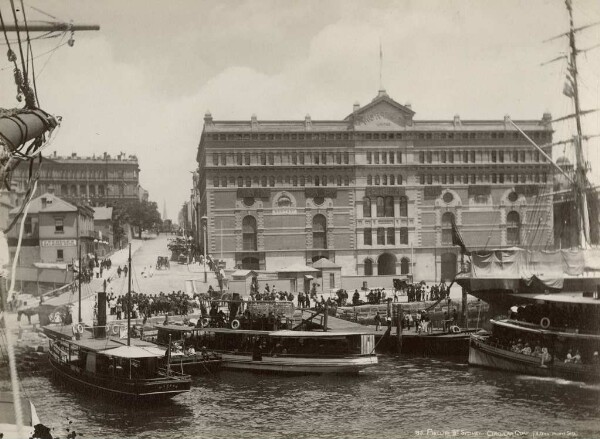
pixel 368 236
pixel 319 231
pixel 249 233
pixel 447 220
pixel 513 228
pixel 368 267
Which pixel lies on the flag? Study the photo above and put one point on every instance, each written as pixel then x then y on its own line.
pixel 457 239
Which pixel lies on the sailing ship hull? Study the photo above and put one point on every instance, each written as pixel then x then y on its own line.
pixel 298 365
pixel 123 389
pixel 485 355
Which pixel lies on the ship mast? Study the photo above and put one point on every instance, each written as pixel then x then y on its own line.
pixel 581 167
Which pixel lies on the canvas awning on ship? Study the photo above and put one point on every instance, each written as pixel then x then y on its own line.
pixel 134 352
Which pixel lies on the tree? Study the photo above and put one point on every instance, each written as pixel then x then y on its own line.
pixel 144 215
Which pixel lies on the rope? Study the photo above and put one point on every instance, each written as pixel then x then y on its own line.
pixel 30 52
pixel 9 342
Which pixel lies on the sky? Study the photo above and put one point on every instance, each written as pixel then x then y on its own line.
pixel 142 84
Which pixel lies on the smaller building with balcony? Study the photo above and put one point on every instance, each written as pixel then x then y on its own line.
pixel 54 230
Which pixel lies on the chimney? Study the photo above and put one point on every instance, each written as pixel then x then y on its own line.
pixel 408 105
pixel 547 118
pixel 54 154
pixel 208 119
pixel 456 120
pixel 356 107
pixel 254 122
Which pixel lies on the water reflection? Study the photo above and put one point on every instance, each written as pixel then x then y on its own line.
pixel 394 399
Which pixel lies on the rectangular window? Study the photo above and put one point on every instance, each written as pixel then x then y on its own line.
pixel 294 158
pixel 346 158
pixel 493 156
pixel 247 159
pixel 301 158
pixel 465 156
pixel 215 159
pixel 271 158
pixel 376 157
pixel 451 157
pixel 58 225
pixel 443 178
pixel 494 178
pixel 316 158
pixel 429 179
pixel 422 178
pixel 403 235
pixel 338 158
pixel 331 280
pixel 429 157
pixel 472 154
pixel 500 178
pixel 324 158
pixel 451 179
pixel 368 236
pixel 369 158
pixel 239 159
pixel 501 156
pixel 224 159
pixel 516 156
pixel 443 156
pixel 391 158
pixel 28 226
pixel 391 236
pixel 59 254
pixel 399 157
pixel 522 156
pixel 380 236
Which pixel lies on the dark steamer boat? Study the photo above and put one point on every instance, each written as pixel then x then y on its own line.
pixel 93 361
pixel 116 370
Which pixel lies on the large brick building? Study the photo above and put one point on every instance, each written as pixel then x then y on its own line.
pixel 375 192
pixel 99 180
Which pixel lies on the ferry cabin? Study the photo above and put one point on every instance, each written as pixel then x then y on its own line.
pixel 290 351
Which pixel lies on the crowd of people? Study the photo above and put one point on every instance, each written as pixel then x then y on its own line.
pixel 149 305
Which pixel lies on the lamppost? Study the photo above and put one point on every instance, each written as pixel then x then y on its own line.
pixel 205 239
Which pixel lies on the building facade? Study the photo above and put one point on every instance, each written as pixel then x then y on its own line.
pixel 53 232
pixel 376 192
pixel 98 181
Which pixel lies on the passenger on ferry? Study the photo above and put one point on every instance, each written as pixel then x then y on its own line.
pixel 546 357
pixel 577 357
pixel 526 350
pixel 596 359
pixel 569 358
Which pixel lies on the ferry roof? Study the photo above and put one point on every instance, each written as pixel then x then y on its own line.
pixel 561 298
pixel 135 352
pixel 510 325
pixel 330 334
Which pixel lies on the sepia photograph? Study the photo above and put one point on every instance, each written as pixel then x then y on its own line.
pixel 333 219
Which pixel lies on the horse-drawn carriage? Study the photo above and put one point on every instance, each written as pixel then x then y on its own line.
pixel 162 262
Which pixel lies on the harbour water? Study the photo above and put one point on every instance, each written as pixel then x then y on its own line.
pixel 401 397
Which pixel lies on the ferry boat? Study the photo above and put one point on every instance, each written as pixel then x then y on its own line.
pixel 263 338
pixel 136 372
pixel 93 360
pixel 552 335
pixel 186 353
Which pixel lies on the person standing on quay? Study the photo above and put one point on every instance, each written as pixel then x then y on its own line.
pixel 377 321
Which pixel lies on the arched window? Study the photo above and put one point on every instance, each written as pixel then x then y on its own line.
pixel 377 180
pixel 447 220
pixel 389 207
pixel 369 180
pixel 392 180
pixel 316 180
pixel 324 180
pixel 263 181
pixel 366 207
pixel 339 180
pixel 319 228
pixel 384 180
pixel 399 179
pixel 63 189
pixel 380 207
pixel 403 206
pixel 240 182
pixel 224 182
pixel 404 266
pixel 513 228
pixel 368 267
pixel 249 233
pixel 248 182
pixel 216 182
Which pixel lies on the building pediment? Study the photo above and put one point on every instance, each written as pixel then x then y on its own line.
pixel 381 114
